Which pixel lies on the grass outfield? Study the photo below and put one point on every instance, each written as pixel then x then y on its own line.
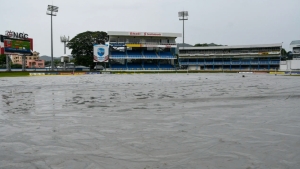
pixel 13 74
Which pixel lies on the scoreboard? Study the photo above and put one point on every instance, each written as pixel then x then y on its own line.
pixel 16 46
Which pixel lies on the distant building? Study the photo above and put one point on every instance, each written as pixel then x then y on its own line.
pixel 33 61
pixel 294 63
pixel 241 57
pixel 295 47
pixel 141 50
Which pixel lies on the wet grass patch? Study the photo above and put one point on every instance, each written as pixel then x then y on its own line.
pixel 13 74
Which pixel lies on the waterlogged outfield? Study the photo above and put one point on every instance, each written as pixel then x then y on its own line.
pixel 161 121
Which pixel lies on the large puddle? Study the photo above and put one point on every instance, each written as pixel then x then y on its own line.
pixel 142 121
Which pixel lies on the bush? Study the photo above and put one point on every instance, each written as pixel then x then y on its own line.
pixel 16 66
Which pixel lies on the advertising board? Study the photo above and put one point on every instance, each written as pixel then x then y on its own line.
pixel 17 46
pixel 101 53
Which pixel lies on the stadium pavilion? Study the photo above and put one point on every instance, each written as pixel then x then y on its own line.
pixel 249 57
pixel 295 46
pixel 142 50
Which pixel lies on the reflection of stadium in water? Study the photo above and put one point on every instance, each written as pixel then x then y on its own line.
pixel 17 101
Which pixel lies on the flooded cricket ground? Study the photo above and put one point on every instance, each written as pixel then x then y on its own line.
pixel 150 121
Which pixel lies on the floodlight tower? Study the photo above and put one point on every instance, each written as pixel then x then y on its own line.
pixel 64 40
pixel 52 10
pixel 183 15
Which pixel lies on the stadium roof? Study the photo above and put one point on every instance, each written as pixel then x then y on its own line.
pixel 295 42
pixel 234 47
pixel 150 34
pixel 184 45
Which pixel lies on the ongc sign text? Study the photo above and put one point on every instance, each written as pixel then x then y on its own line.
pixel 13 34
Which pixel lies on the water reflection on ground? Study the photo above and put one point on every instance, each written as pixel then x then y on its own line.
pixel 150 121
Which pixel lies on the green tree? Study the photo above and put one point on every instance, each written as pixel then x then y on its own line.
pixel 56 62
pixel 2 60
pixel 283 52
pixel 82 46
pixel 47 63
pixel 16 66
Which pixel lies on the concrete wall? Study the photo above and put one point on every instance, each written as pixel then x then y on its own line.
pixel 295 64
pixel 283 67
pixel 194 67
pixel 289 65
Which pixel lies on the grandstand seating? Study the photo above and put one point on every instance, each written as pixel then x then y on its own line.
pixel 296 50
pixel 118 54
pixel 166 66
pixel 229 51
pixel 150 54
pixel 134 54
pixel 134 66
pixel 118 67
pixel 166 55
pixel 150 66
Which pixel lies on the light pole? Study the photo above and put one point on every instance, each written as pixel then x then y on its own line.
pixel 183 15
pixel 52 10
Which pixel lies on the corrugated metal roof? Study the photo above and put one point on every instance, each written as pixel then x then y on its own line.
pixel 184 45
pixel 234 47
pixel 295 42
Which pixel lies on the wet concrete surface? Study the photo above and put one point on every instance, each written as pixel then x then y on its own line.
pixel 140 121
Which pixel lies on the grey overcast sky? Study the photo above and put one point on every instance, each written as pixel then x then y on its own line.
pixel 227 22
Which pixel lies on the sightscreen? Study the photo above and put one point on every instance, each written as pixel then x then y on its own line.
pixel 16 46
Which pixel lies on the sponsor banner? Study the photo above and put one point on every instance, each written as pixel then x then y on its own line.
pixel 144 34
pixel 12 34
pixel 79 73
pixel 264 53
pixel 245 72
pixel 292 73
pixel 65 73
pixel 71 73
pixel 279 73
pixel 101 53
pixel 36 74
pixel 51 73
pixel 134 45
